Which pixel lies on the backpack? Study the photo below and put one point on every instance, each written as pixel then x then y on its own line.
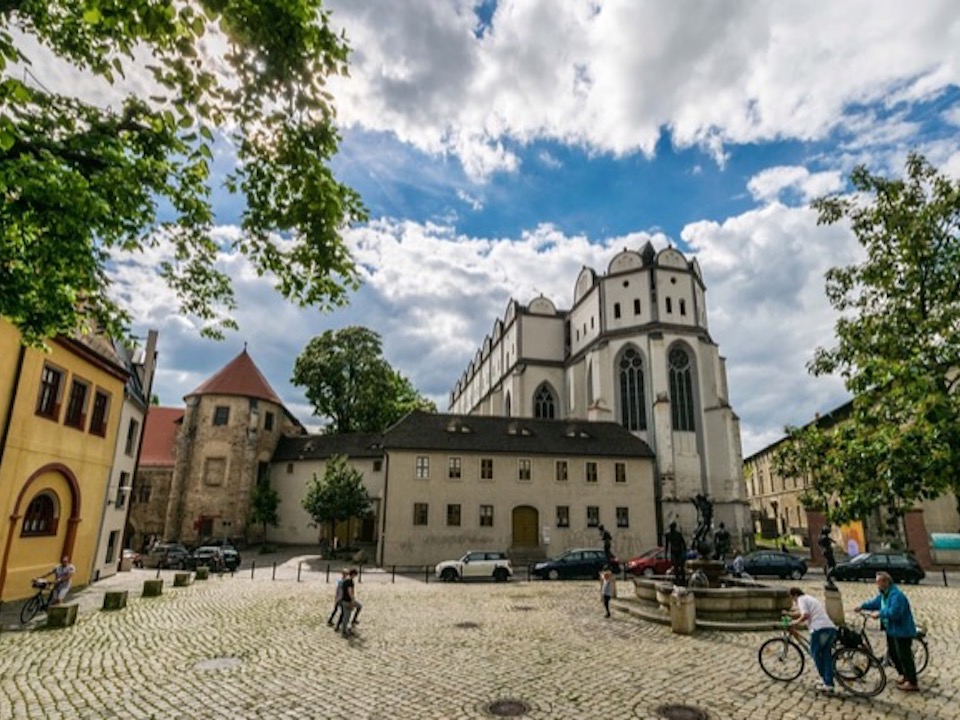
pixel 849 638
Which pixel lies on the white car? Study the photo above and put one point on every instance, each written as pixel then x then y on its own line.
pixel 494 565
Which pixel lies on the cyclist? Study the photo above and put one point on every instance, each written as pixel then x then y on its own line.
pixel 62 574
pixel 822 634
pixel 896 617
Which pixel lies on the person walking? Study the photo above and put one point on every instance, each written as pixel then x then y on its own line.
pixel 896 618
pixel 349 603
pixel 608 588
pixel 338 596
pixel 810 612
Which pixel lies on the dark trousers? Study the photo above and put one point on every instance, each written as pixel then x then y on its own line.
pixel 336 609
pixel 606 604
pixel 901 653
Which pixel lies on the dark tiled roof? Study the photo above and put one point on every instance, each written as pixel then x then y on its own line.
pixel 239 377
pixel 160 436
pixel 482 433
pixel 318 447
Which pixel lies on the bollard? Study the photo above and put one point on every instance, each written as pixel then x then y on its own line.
pixel 299 565
pixel 273 576
pixel 253 566
pixel 61 616
pixel 683 611
pixel 328 572
pixel 182 579
pixel 152 588
pixel 203 573
pixel 114 600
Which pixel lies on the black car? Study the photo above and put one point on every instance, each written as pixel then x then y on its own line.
pixel 583 563
pixel 903 567
pixel 209 556
pixel 772 562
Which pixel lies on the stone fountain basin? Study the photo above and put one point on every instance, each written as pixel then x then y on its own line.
pixel 737 601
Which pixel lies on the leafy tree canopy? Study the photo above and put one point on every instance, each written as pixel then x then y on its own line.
pixel 898 348
pixel 338 496
pixel 81 181
pixel 347 380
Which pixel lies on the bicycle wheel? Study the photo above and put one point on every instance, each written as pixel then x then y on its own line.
pixel 30 608
pixel 859 672
pixel 781 659
pixel 921 654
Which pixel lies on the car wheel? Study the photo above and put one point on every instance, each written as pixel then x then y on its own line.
pixel 553 575
pixel 796 575
pixel 448 575
pixel 648 572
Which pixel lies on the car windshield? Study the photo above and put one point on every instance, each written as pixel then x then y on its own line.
pixel 861 558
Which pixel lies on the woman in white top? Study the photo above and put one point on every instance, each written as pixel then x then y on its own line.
pixel 810 612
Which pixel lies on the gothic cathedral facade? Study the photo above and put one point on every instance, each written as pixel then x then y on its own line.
pixel 634 348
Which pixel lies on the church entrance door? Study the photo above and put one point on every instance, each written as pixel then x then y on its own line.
pixel 526 521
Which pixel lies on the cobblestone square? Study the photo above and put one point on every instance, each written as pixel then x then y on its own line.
pixel 238 647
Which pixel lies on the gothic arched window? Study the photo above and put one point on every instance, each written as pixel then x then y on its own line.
pixel 544 404
pixel 633 414
pixel 681 390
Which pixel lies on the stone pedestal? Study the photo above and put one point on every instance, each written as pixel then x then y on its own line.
pixel 683 611
pixel 203 573
pixel 115 600
pixel 152 588
pixel 182 579
pixel 713 569
pixel 833 604
pixel 61 616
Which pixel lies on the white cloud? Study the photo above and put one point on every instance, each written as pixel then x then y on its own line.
pixel 770 183
pixel 612 76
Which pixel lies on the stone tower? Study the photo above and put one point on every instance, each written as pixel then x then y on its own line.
pixel 230 429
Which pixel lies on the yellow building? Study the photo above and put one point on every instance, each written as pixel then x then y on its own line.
pixel 59 415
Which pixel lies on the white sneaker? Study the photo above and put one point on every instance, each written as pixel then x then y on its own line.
pixel 827 689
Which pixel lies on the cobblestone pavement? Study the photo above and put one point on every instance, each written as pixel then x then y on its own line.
pixel 239 647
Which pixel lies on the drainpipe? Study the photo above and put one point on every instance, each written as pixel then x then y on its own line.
pixel 383 508
pixel 8 420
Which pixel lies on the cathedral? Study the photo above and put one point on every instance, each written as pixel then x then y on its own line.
pixel 633 348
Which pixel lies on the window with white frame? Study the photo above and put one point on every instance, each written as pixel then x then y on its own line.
pixel 422 467
pixel 486 516
pixel 562 471
pixel 593 516
pixel 590 472
pixel 563 516
pixel 453 468
pixel 523 470
pixel 486 468
pixel 623 517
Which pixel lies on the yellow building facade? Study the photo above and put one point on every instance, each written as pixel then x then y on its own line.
pixel 59 415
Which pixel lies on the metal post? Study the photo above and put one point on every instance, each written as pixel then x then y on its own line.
pixel 360 573
pixel 328 572
pixel 299 565
pixel 944 570
pixel 393 573
pixel 426 574
pixel 273 576
pixel 158 571
pixel 253 567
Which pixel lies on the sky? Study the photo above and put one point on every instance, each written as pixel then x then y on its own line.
pixel 499 147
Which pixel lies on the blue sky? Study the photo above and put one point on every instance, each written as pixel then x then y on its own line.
pixel 501 146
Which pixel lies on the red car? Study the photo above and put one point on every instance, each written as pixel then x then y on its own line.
pixel 652 562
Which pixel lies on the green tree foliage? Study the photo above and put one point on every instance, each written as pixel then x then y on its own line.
pixel 348 381
pixel 338 496
pixel 898 348
pixel 264 506
pixel 81 181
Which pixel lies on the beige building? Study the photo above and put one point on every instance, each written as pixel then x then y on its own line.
pixel 775 504
pixel 633 349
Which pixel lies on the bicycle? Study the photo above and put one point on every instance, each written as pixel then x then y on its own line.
pixel 856 668
pixel 39 602
pixel 921 652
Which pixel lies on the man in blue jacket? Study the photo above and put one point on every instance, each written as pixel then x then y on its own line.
pixel 896 618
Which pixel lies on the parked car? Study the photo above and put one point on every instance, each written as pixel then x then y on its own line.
pixel 579 563
pixel 772 562
pixel 133 556
pixel 903 567
pixel 208 555
pixel 165 555
pixel 655 561
pixel 476 564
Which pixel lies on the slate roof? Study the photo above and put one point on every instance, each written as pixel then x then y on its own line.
pixel 239 377
pixel 482 433
pixel 319 447
pixel 160 436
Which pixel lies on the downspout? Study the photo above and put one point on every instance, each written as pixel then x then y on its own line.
pixel 8 420
pixel 383 508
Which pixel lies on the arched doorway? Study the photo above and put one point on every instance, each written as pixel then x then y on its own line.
pixel 526 524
